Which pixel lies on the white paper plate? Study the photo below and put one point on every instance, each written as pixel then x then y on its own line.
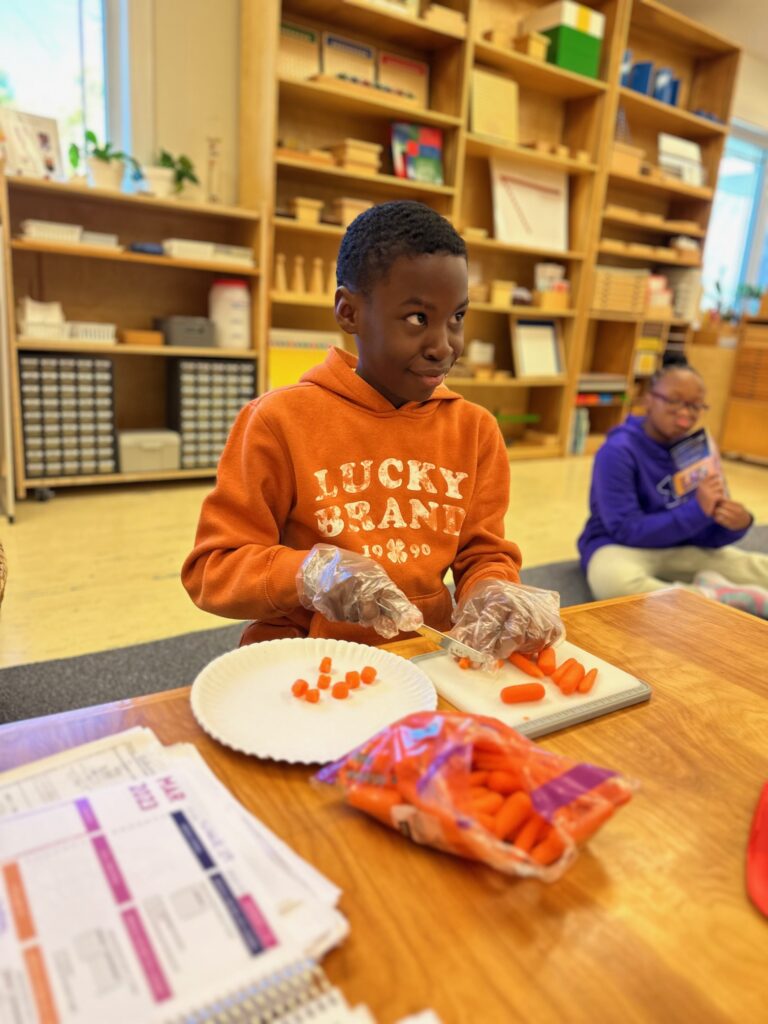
pixel 243 698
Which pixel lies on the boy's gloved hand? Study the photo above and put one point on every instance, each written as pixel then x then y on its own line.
pixel 497 618
pixel 347 587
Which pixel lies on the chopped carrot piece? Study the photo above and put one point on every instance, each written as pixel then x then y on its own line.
pixel 368 674
pixel 516 809
pixel 526 665
pixel 325 665
pixel 313 696
pixel 300 687
pixel 465 663
pixel 558 674
pixel 547 661
pixel 525 692
pixel 340 691
pixel 588 681
pixel 352 680
pixel 323 682
pixel 571 679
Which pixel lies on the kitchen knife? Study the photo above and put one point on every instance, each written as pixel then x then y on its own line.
pixel 447 643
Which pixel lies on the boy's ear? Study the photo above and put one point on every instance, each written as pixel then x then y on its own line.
pixel 346 308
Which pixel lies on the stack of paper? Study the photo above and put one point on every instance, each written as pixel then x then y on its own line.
pixel 134 887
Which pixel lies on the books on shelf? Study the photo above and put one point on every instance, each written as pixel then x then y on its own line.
pixel 139 889
pixel 604 382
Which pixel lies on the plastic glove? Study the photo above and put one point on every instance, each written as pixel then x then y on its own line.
pixel 498 618
pixel 347 587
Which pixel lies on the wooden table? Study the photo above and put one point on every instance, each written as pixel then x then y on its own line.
pixel 651 924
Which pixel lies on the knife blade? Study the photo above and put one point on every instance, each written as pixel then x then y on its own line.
pixel 757 854
pixel 448 643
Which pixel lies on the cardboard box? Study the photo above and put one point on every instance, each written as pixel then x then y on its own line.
pixel 494 106
pixel 149 451
pixel 532 44
pixel 575 33
pixel 405 74
pixel 343 56
pixel 148 338
pixel 306 211
pixel 626 159
pixel 298 55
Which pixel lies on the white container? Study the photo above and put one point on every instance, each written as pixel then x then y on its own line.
pixel 158 181
pixel 229 307
pixel 149 451
pixel 96 333
pixel 100 239
pixel 51 230
pixel 188 249
pixel 105 173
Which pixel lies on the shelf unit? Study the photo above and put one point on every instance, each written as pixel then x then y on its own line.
pixel 99 284
pixel 608 211
pixel 745 430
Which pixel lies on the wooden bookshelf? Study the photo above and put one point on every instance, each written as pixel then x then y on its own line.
pixel 117 286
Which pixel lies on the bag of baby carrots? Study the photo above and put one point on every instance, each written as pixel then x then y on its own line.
pixel 472 786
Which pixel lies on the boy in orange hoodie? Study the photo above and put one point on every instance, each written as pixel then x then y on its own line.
pixel 342 501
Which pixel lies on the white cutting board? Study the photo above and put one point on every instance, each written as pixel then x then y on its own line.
pixel 478 692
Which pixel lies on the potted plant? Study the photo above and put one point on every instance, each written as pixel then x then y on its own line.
pixel 182 170
pixel 106 165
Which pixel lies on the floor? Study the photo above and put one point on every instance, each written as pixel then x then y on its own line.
pixel 99 568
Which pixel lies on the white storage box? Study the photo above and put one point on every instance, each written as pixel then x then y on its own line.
pixel 100 238
pixel 97 333
pixel 51 230
pixel 149 451
pixel 188 249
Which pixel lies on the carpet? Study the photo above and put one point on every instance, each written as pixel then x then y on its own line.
pixel 47 687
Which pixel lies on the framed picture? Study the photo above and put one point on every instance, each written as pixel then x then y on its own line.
pixel 537 348
pixel 30 145
pixel 530 205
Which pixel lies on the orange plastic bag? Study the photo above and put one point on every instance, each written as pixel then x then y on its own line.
pixel 472 786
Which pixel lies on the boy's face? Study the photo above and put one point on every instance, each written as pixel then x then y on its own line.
pixel 410 328
pixel 674 406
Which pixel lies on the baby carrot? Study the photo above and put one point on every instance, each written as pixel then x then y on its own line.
pixel 377 801
pixel 588 681
pixel 547 661
pixel 502 782
pixel 571 679
pixel 486 820
pixel 478 778
pixel 325 665
pixel 558 674
pixel 549 849
pixel 300 687
pixel 323 682
pixel 513 812
pixel 465 663
pixel 526 665
pixel 486 802
pixel 529 835
pixel 525 692
pixel 368 674
pixel 313 696
pixel 352 680
pixel 340 691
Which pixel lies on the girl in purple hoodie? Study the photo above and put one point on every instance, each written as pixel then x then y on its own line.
pixel 641 534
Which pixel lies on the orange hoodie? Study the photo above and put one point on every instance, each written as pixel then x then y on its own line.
pixel 420 489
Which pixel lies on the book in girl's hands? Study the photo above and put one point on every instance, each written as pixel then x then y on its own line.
pixel 695 457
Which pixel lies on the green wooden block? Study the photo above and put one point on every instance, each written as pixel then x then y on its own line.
pixel 573 50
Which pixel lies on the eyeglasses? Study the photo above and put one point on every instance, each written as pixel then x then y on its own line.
pixel 676 404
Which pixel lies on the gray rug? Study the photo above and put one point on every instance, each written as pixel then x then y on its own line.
pixel 47 687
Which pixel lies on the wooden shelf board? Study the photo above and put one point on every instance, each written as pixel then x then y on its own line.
pixel 166 351
pixel 289 224
pixel 336 97
pixel 524 250
pixel 671 261
pixel 120 256
pixel 131 199
pixel 664 227
pixel 537 74
pixel 679 30
pixel 615 403
pixel 117 478
pixel 382 22
pixel 507 382
pixel 380 182
pixel 665 117
pixel 302 299
pixel 598 314
pixel 534 312
pixel 533 451
pixel 486 145
pixel 668 187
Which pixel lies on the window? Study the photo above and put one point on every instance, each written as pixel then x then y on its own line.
pixel 736 253
pixel 52 63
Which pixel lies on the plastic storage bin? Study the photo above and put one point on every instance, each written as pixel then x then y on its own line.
pixel 229 307
pixel 149 451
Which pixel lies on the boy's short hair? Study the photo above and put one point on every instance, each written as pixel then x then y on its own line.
pixel 379 236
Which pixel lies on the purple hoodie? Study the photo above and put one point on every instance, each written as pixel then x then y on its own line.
pixel 632 503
